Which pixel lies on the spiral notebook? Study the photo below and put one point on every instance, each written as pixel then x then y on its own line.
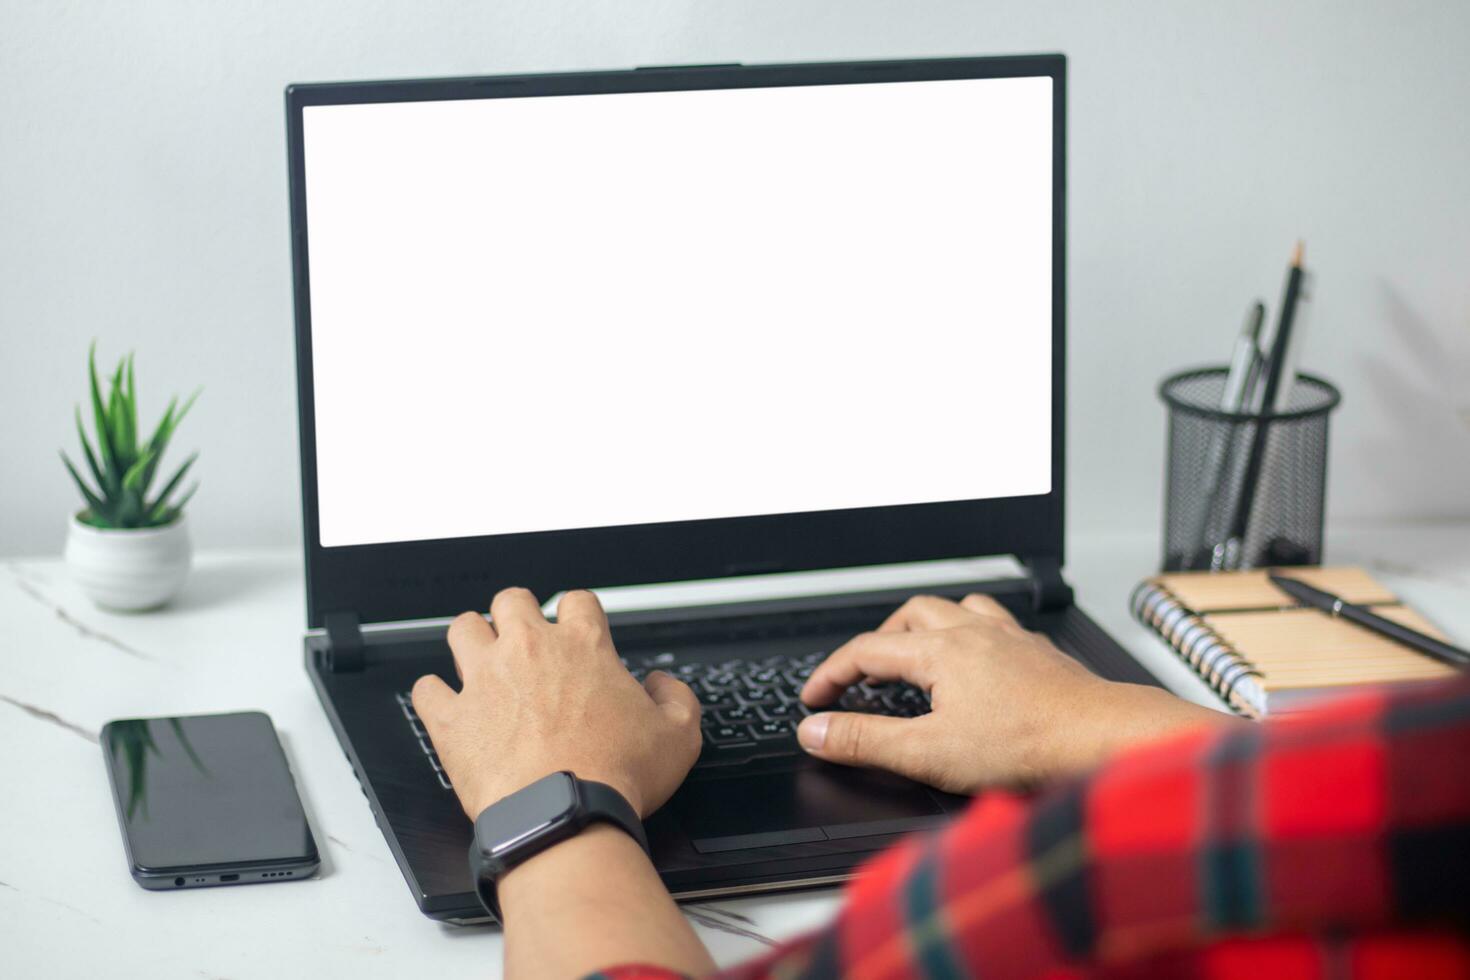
pixel 1264 653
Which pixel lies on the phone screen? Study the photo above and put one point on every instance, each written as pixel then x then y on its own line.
pixel 205 790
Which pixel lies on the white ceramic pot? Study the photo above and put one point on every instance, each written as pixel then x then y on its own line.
pixel 129 570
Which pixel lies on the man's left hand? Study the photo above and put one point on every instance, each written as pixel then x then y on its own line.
pixel 539 697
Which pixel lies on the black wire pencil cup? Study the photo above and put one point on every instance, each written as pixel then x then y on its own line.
pixel 1244 489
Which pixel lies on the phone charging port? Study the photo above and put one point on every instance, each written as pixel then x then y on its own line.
pixel 229 877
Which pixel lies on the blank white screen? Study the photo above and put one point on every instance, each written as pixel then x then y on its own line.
pixel 581 311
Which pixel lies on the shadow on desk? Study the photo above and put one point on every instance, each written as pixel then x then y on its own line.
pixel 219 582
pixel 324 867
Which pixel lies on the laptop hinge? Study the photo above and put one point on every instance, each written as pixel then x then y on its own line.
pixel 1049 591
pixel 344 642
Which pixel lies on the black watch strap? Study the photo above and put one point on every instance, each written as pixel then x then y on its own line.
pixel 594 803
pixel 603 804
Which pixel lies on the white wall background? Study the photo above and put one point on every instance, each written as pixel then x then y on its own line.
pixel 143 202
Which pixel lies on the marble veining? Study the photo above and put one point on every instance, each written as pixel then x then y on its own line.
pixel 354 850
pixel 87 632
pixel 51 901
pixel 713 917
pixel 52 717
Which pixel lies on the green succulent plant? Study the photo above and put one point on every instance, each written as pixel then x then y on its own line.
pixel 123 467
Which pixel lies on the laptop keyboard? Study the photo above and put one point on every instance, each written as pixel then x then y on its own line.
pixel 405 701
pixel 751 707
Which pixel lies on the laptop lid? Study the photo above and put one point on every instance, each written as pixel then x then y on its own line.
pixel 610 328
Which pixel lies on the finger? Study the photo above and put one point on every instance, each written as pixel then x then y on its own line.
pixel 863 740
pixel 431 697
pixel 469 639
pixel 984 605
pixel 880 656
pixel 515 607
pixel 924 612
pixel 581 606
pixel 673 696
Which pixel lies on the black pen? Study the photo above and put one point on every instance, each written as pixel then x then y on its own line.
pixel 1334 606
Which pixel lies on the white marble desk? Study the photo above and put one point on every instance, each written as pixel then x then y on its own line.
pixel 69 908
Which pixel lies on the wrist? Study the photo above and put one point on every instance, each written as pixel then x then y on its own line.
pixel 599 845
pixel 593 900
pixel 1121 715
pixel 1066 740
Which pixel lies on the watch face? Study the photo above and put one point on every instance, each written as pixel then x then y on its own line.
pixel 522 815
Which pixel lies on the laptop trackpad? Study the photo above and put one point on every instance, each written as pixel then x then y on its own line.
pixel 815 803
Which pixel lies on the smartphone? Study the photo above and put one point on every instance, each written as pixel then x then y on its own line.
pixel 206 800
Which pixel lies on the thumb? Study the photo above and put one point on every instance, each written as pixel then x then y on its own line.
pixel 673 697
pixel 861 740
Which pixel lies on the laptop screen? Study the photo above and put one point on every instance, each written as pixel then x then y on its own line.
pixel 557 312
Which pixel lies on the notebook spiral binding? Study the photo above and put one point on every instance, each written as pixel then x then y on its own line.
pixel 1221 666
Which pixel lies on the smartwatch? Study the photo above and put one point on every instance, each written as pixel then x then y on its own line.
pixel 550 810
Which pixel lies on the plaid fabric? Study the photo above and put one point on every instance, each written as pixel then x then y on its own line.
pixel 1336 844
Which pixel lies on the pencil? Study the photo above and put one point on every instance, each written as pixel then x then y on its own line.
pixel 1276 367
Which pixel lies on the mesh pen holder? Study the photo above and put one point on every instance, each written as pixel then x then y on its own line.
pixel 1210 453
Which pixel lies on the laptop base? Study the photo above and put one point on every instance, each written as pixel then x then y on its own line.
pixel 802 822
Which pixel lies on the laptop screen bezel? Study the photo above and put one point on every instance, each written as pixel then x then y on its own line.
pixel 412 580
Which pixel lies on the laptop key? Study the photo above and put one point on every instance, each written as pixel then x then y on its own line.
pixel 717 699
pixel 728 734
pixel 788 695
pixel 853 701
pixel 796 679
pixel 736 716
pixel 421 735
pixel 772 729
pixel 717 686
pixel 753 693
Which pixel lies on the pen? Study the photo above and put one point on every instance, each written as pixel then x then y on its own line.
pixel 1335 606
pixel 1240 382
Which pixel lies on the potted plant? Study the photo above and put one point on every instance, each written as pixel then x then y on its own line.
pixel 127 549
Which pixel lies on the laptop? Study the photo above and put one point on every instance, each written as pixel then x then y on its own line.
pixel 669 324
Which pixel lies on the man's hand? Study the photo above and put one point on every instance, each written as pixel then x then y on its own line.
pixel 1009 708
pixel 538 698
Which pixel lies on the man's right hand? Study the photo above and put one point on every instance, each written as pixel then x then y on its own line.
pixel 1008 707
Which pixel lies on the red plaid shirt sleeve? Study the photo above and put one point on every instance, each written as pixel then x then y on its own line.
pixel 1332 844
